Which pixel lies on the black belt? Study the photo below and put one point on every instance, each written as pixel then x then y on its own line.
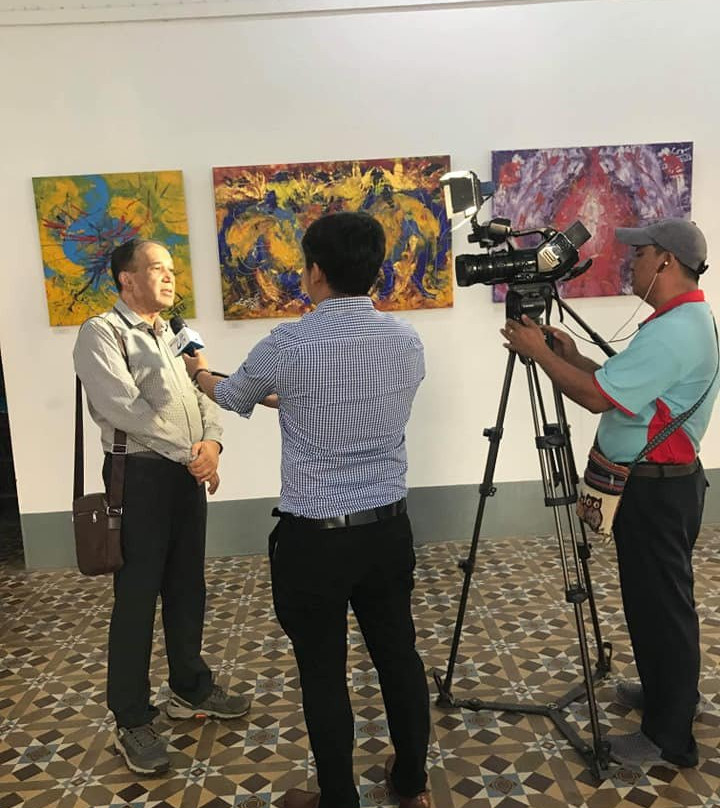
pixel 352 519
pixel 660 470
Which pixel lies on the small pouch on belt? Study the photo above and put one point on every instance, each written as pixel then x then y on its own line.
pixel 600 492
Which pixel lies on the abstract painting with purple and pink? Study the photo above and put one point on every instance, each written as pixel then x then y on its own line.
pixel 604 187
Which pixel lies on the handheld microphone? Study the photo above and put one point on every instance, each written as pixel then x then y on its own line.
pixel 185 340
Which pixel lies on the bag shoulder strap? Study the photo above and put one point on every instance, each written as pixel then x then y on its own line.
pixel 119 448
pixel 79 475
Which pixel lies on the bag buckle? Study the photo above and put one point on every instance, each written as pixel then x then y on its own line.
pixel 111 512
pixel 119 449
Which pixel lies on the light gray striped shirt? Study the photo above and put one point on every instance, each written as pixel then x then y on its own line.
pixel 154 401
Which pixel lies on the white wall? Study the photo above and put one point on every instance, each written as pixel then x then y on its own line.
pixel 196 93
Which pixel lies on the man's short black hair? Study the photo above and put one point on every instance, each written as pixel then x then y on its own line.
pixel 122 257
pixel 349 248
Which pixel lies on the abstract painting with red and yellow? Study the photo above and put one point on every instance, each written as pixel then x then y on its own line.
pixel 604 187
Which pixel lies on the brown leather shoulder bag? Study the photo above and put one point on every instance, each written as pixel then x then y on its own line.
pixel 97 518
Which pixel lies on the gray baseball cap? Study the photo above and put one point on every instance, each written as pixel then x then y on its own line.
pixel 679 236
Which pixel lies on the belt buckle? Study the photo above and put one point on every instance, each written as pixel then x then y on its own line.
pixel 362 518
pixel 329 523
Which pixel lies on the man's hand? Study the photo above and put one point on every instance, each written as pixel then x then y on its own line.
pixel 194 363
pixel 563 344
pixel 213 483
pixel 528 339
pixel 205 461
pixel 525 338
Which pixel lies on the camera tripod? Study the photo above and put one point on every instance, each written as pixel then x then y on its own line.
pixel 559 478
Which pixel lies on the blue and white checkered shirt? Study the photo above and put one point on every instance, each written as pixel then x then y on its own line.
pixel 345 375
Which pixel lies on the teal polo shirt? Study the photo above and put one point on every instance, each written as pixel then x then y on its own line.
pixel 663 372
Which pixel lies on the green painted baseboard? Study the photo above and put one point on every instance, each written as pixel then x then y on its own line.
pixel 438 513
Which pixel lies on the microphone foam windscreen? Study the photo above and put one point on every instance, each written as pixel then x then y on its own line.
pixel 177 323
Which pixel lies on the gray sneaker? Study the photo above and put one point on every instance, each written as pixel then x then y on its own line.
pixel 635 749
pixel 217 705
pixel 142 749
pixel 630 694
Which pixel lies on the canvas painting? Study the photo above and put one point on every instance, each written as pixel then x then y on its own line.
pixel 81 219
pixel 604 187
pixel 263 211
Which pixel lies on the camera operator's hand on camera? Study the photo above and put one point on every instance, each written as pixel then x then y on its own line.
pixel 576 381
pixel 562 344
pixel 525 338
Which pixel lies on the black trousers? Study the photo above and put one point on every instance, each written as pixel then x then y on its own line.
pixel 655 531
pixel 315 574
pixel 163 538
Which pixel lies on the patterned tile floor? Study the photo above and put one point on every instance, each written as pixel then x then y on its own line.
pixel 519 643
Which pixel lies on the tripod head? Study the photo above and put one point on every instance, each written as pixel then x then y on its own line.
pixel 535 300
pixel 532 299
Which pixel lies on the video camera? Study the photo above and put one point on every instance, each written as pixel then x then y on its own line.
pixel 555 258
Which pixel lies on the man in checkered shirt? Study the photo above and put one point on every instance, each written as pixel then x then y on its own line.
pixel 343 378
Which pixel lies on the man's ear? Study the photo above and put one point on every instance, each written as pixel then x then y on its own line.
pixel 667 257
pixel 316 274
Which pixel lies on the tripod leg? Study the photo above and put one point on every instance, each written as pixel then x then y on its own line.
pixel 604 649
pixel 558 471
pixel 487 489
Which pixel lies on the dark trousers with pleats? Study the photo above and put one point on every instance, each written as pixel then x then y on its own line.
pixel 315 575
pixel 655 531
pixel 163 538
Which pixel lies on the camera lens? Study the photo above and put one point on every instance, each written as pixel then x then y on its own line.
pixel 497 267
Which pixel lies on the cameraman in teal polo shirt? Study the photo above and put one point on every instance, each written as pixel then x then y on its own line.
pixel 665 370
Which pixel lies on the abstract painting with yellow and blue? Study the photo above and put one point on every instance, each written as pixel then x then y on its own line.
pixel 81 220
pixel 263 211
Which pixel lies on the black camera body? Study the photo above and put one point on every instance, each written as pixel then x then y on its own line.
pixel 554 258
